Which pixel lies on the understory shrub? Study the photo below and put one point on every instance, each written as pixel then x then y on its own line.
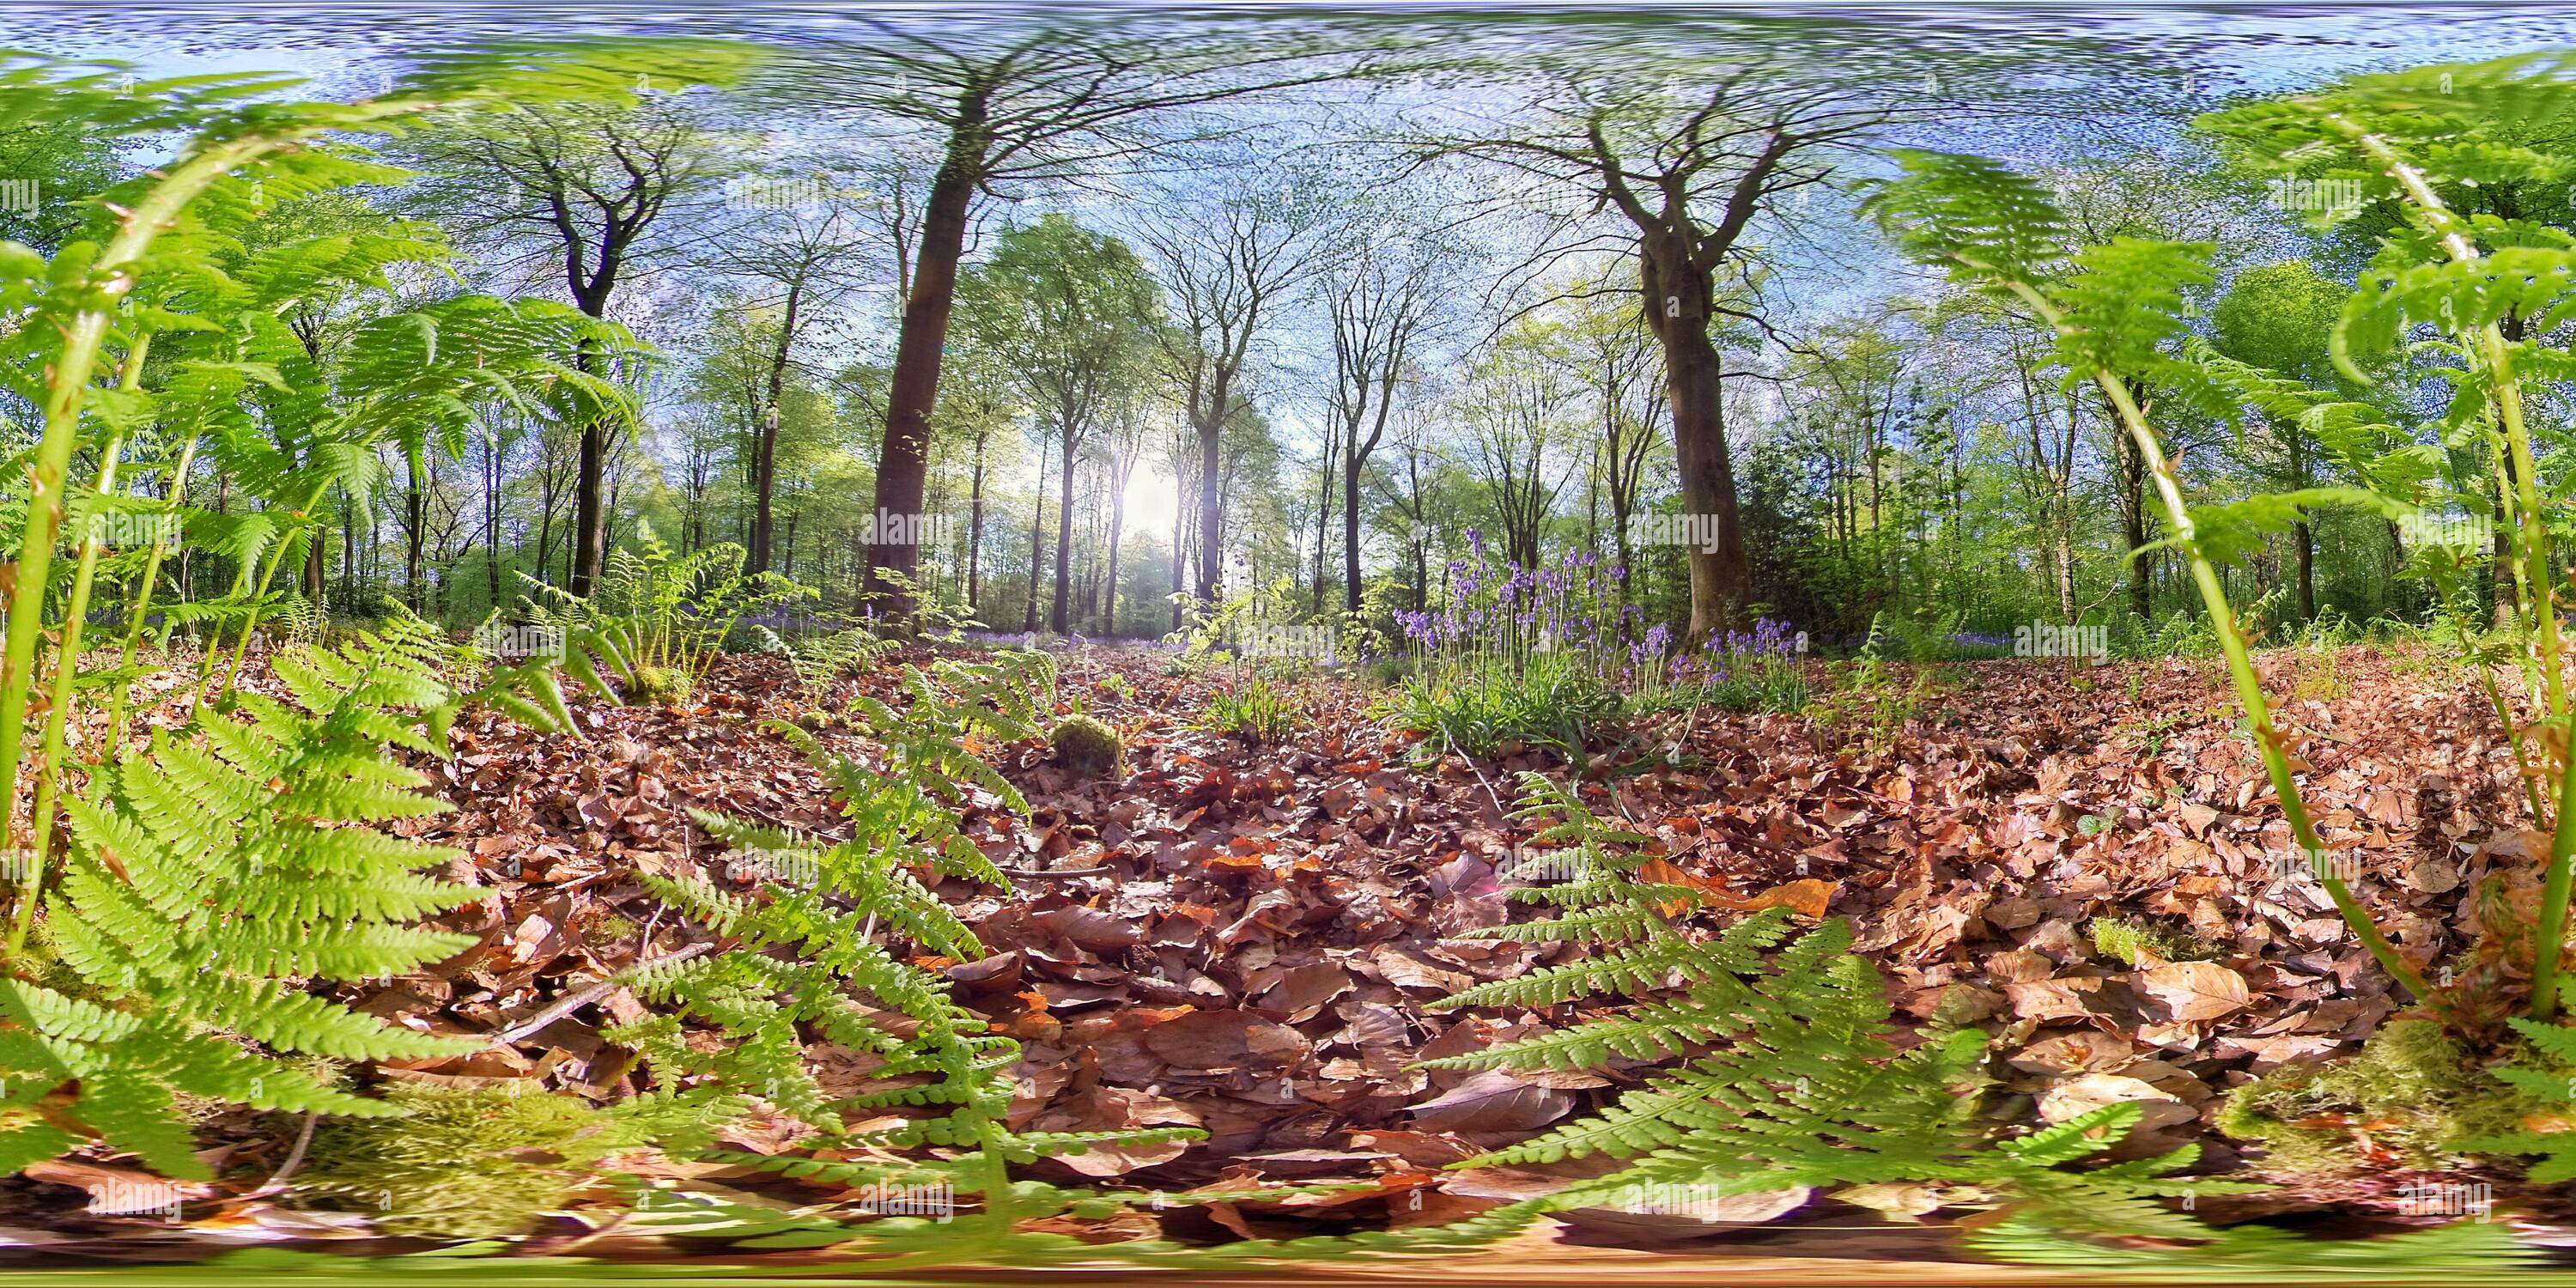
pixel 1551 656
pixel 1786 1072
pixel 1255 708
pixel 1553 700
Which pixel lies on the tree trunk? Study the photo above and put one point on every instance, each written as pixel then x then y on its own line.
pixel 1211 507
pixel 2306 539
pixel 1180 535
pixel 2300 534
pixel 1037 542
pixel 1355 457
pixel 1351 537
pixel 1109 590
pixel 1060 619
pixel 349 549
pixel 590 516
pixel 1677 307
pixel 492 516
pixel 903 466
pixel 2065 557
pixel 765 464
pixel 313 569
pixel 415 529
pixel 2133 524
pixel 975 529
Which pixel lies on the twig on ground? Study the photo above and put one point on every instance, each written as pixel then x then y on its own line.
pixel 585 997
pixel 294 1159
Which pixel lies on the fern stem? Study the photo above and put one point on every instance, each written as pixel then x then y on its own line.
pixel 2231 642
pixel 143 593
pixel 65 394
pixel 2504 717
pixel 2249 689
pixel 67 390
pixel 2531 527
pixel 267 578
pixel 49 779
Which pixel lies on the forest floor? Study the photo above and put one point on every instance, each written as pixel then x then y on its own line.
pixel 1243 937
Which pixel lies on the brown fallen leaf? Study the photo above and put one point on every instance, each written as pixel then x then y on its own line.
pixel 2193 991
pixel 2076 1097
pixel 116 1190
pixel 1663 1213
pixel 1806 897
pixel 1302 993
pixel 1220 1041
pixel 1492 1101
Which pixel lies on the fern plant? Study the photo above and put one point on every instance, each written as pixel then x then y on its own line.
pixel 663 614
pixel 210 876
pixel 2546 1079
pixel 818 660
pixel 2115 313
pixel 2461 1252
pixel 2489 286
pixel 1254 708
pixel 955 708
pixel 1792 1078
pixel 817 954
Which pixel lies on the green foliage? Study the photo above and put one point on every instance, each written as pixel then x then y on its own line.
pixel 210 877
pixel 1734 679
pixel 1869 696
pixel 2116 315
pixel 662 615
pixel 2178 634
pixel 1254 708
pixel 1789 1076
pixel 2140 942
pixel 1087 746
pixel 820 659
pixel 2545 1078
pixel 956 705
pixel 479 1163
pixel 937 611
pixel 2461 1252
pixel 661 685
pixel 1555 701
pixel 2413 1090
pixel 814 958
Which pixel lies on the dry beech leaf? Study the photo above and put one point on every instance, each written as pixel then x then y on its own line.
pixel 2193 991
pixel 1683 1212
pixel 1492 1101
pixel 2077 1097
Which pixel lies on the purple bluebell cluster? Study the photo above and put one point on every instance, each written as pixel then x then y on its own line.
pixel 1769 644
pixel 1504 615
pixel 1762 669
pixel 1508 613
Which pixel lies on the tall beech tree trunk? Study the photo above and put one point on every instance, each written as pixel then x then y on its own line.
pixel 765 465
pixel 1059 620
pixel 1109 591
pixel 1211 504
pixel 1037 542
pixel 1678 296
pixel 415 531
pixel 1180 535
pixel 975 526
pixel 903 467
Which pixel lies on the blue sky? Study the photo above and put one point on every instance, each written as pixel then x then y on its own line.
pixel 344 48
